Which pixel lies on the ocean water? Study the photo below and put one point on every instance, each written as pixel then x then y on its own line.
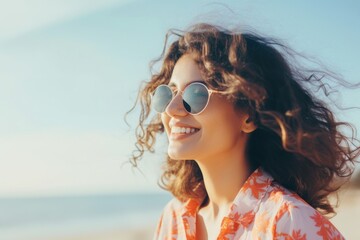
pixel 47 217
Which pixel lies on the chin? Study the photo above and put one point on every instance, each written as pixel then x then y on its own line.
pixel 176 156
pixel 179 154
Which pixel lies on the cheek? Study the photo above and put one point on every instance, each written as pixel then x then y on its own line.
pixel 222 125
pixel 165 121
pixel 221 136
pixel 220 128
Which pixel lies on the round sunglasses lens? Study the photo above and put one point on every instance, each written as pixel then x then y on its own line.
pixel 161 98
pixel 195 98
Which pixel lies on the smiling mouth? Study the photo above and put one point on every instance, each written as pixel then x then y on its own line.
pixel 182 132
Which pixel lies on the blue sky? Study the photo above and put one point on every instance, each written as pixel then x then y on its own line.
pixel 69 70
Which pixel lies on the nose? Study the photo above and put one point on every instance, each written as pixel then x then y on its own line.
pixel 176 107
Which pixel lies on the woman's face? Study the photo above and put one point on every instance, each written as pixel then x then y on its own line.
pixel 213 133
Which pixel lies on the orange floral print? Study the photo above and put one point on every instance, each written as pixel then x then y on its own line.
pixel 254 186
pixel 326 229
pixel 261 210
pixel 174 230
pixel 295 235
pixel 262 224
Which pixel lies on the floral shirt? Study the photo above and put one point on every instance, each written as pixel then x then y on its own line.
pixel 261 210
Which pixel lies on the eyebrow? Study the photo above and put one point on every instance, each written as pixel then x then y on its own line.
pixel 196 81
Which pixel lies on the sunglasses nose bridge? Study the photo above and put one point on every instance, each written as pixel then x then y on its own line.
pixel 176 106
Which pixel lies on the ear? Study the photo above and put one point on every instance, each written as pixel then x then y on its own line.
pixel 247 124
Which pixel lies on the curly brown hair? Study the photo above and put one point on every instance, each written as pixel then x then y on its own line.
pixel 298 140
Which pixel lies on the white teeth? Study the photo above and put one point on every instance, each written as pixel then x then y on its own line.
pixel 182 130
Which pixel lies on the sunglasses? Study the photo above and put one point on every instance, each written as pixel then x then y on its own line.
pixel 195 97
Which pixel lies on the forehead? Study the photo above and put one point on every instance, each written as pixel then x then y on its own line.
pixel 185 72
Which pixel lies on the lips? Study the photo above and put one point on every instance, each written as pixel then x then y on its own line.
pixel 183 130
pixel 180 131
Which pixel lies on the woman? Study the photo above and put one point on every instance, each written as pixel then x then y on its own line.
pixel 252 153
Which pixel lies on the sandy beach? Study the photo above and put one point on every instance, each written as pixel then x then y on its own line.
pixel 346 221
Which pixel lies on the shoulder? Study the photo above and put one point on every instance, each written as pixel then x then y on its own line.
pixel 167 226
pixel 293 218
pixel 172 209
pixel 174 205
pixel 178 220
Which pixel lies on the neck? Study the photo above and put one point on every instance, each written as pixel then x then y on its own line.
pixel 223 177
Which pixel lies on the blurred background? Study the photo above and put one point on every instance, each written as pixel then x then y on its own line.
pixel 69 71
